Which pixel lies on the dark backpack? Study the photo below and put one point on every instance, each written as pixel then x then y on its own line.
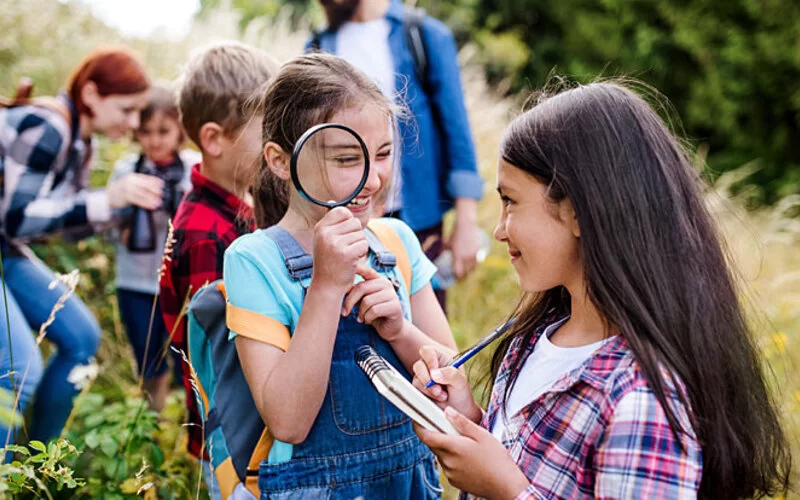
pixel 412 26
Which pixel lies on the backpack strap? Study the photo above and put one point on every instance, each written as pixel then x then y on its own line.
pixel 255 326
pixel 260 454
pixel 412 26
pixel 391 240
pixel 316 41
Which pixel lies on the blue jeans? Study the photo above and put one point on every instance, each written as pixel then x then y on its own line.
pixel 136 309
pixel 74 331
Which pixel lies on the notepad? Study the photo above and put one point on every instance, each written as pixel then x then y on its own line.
pixel 399 391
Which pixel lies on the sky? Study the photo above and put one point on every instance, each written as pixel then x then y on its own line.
pixel 141 17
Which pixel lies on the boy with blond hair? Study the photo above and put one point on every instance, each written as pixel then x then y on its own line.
pixel 217 87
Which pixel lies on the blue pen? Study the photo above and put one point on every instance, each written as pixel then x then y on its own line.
pixel 472 351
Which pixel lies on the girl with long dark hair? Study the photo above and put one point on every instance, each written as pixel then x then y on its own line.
pixel 630 371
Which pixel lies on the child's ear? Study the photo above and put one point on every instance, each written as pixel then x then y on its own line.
pixel 278 161
pixel 569 217
pixel 211 136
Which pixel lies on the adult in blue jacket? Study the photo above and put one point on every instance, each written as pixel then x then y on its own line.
pixel 438 169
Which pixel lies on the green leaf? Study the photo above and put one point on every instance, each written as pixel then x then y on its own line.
pixel 38 445
pixel 95 420
pixel 158 456
pixel 129 486
pixel 92 439
pixel 109 445
pixel 17 449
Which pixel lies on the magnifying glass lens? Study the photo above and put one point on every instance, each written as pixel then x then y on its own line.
pixel 331 166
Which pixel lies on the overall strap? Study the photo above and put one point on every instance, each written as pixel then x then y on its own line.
pixel 298 262
pixel 382 257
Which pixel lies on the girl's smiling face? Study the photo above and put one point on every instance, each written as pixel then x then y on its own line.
pixel 325 170
pixel 542 236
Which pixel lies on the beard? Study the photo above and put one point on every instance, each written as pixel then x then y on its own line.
pixel 339 12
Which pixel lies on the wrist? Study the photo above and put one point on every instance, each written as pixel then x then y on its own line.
pixel 475 413
pixel 466 211
pixel 401 336
pixel 326 289
pixel 519 485
pixel 513 484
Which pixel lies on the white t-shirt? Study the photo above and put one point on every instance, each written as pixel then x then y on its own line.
pixel 366 46
pixel 544 366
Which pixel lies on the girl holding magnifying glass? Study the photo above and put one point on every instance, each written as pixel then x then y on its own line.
pixel 335 437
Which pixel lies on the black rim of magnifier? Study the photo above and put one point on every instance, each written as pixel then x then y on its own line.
pixel 296 153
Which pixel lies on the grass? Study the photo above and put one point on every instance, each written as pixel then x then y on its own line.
pixel 764 244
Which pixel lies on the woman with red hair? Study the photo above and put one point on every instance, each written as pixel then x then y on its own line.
pixel 45 152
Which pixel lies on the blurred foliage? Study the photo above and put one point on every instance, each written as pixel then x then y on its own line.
pixel 9 416
pixel 39 471
pixel 123 455
pixel 299 11
pixel 731 68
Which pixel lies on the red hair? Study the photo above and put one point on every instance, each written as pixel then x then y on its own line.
pixel 114 71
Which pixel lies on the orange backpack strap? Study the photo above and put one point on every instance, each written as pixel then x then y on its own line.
pixel 391 240
pixel 260 454
pixel 226 477
pixel 263 328
pixel 254 325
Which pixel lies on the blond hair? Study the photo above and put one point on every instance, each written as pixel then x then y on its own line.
pixel 219 84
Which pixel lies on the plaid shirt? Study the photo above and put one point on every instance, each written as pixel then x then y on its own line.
pixel 599 432
pixel 43 175
pixel 208 219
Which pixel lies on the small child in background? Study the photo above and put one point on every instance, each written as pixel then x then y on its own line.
pixel 142 237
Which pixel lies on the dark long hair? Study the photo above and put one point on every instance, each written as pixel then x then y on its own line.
pixel 655 268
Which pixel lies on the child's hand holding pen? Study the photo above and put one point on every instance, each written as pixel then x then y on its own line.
pixel 472 351
pixel 447 386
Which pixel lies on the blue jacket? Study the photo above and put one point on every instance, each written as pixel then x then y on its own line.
pixel 438 166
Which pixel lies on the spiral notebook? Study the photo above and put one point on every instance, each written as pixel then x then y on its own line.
pixel 399 391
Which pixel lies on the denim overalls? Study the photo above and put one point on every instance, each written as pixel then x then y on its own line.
pixel 360 445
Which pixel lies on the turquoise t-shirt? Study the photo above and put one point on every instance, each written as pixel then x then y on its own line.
pixel 256 279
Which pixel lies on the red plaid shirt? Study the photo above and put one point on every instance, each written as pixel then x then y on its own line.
pixel 208 219
pixel 599 432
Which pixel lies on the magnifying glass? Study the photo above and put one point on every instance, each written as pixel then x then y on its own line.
pixel 330 165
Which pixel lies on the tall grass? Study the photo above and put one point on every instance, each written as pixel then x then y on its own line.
pixel 44 39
